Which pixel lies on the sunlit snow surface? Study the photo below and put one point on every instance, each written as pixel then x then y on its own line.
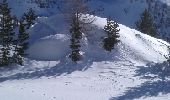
pixel 49 74
pixel 100 76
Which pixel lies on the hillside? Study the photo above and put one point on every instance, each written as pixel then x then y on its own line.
pixel 99 77
pixel 133 70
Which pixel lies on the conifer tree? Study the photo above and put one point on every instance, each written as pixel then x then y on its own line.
pixel 6 33
pixel 146 25
pixel 78 15
pixel 29 18
pixel 21 45
pixel 112 35
pixel 23 37
pixel 5 57
pixel 76 35
pixel 17 58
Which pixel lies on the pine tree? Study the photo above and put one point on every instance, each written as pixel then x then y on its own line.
pixel 73 11
pixel 21 44
pixel 112 35
pixel 4 60
pixel 22 40
pixel 17 58
pixel 146 25
pixel 6 33
pixel 76 35
pixel 23 37
pixel 29 18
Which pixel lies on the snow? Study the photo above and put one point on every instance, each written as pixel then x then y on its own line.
pixel 93 84
pixel 100 76
pixel 122 11
pixel 48 73
pixel 144 47
pixel 52 47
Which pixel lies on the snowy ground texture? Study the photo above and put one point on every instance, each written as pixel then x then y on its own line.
pixel 100 76
pixel 135 70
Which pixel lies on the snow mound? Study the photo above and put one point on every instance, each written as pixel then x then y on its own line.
pixel 134 46
pixel 52 47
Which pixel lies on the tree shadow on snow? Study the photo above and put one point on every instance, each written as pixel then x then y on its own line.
pixel 64 67
pixel 157 75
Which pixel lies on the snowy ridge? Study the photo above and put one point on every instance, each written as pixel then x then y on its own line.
pixel 48 73
pixel 135 45
pixel 100 76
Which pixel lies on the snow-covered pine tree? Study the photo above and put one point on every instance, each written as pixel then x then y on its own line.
pixel 146 24
pixel 17 58
pixel 76 35
pixel 29 18
pixel 112 35
pixel 5 56
pixel 6 33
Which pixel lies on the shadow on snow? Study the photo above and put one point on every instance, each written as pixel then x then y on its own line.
pixel 64 67
pixel 160 72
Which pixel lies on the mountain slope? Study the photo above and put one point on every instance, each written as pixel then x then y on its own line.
pixel 134 45
pixel 48 73
pixel 100 76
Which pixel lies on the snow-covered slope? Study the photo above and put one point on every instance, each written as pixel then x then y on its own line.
pixel 126 12
pixel 100 76
pixel 51 23
pixel 134 45
pixel 49 74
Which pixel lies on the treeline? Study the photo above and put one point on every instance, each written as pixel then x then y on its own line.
pixel 13 35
